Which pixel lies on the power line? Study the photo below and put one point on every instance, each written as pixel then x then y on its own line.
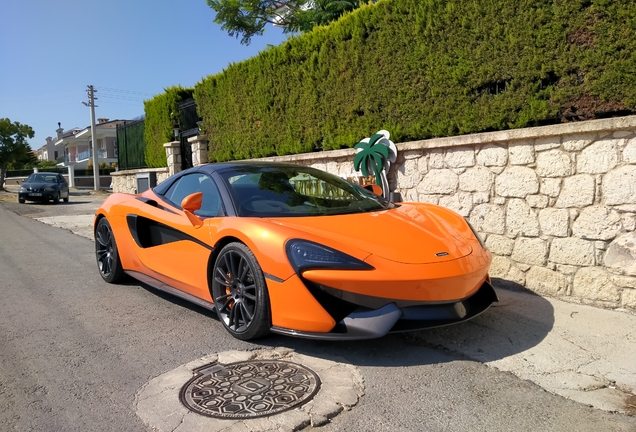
pixel 124 91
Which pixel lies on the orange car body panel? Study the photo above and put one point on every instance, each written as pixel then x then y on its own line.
pixel 408 247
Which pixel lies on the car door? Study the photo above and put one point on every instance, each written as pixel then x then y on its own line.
pixel 177 251
pixel 63 185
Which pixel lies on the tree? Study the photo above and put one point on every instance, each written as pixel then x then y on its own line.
pixel 14 149
pixel 247 18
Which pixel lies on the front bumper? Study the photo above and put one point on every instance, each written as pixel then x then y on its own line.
pixel 366 323
pixel 44 196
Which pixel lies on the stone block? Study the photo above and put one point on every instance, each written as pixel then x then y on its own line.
pixel 492 155
pixel 577 191
pixel 500 245
pixel 572 251
pixel 515 274
pixel 477 179
pixel 566 269
pixel 547 143
pixel 408 175
pixel 598 158
pixel 550 187
pixel 537 201
pixel 517 182
pixel 459 157
pixel 481 197
pixel 624 281
pixel 439 181
pixel 594 283
pixel 621 255
pixel 422 165
pixel 597 223
pixel 554 163
pixel 499 267
pixel 629 152
pixel 432 199
pixel 461 203
pixel 544 281
pixel 411 154
pixel 521 219
pixel 488 218
pixel 530 251
pixel 554 222
pixel 629 221
pixel 521 154
pixel 577 142
pixel 628 299
pixel 436 159
pixel 619 186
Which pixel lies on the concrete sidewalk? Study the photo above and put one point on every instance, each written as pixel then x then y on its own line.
pixel 580 352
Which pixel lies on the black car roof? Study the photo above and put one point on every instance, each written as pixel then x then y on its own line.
pixel 213 167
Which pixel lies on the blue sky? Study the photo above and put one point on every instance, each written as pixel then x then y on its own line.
pixel 128 50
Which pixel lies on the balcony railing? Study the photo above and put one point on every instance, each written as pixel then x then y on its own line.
pixel 87 154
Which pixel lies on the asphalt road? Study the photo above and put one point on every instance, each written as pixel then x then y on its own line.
pixel 74 351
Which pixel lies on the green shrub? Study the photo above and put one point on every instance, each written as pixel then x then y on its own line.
pixel 425 68
pixel 162 114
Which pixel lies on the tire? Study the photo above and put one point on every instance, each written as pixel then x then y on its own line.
pixel 21 201
pixel 56 198
pixel 106 253
pixel 66 199
pixel 238 291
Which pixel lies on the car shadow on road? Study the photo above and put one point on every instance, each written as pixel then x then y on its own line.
pixel 518 322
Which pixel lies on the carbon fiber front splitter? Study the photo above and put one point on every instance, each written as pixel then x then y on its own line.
pixel 364 323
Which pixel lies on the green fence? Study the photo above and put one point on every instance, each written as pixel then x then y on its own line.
pixel 131 145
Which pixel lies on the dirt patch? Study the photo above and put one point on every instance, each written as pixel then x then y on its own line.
pixel 586 107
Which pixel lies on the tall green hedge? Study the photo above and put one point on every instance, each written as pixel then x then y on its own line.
pixel 425 68
pixel 162 113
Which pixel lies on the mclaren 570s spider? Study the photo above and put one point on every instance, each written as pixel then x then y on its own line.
pixel 294 250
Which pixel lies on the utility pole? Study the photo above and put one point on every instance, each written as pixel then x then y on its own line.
pixel 91 104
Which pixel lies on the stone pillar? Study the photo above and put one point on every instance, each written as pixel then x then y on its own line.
pixel 173 154
pixel 199 145
pixel 71 176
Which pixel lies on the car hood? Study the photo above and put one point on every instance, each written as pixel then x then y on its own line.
pixel 38 186
pixel 408 234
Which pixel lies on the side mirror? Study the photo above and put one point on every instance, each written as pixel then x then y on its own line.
pixel 190 204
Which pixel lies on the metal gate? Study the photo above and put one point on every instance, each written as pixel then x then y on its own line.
pixel 188 119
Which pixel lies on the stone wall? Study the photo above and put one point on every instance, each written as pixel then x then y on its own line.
pixel 126 181
pixel 556 205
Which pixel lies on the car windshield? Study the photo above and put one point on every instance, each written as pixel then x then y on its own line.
pixel 41 178
pixel 283 191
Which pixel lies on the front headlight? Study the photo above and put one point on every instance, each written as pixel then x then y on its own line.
pixel 305 255
pixel 481 242
pixel 22 189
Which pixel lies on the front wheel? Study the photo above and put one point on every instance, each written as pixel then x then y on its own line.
pixel 56 198
pixel 240 294
pixel 106 252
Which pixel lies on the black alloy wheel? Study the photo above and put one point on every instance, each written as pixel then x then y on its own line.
pixel 240 294
pixel 106 253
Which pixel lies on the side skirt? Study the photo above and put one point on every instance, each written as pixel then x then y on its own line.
pixel 170 290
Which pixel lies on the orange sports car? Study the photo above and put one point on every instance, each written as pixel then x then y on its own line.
pixel 294 250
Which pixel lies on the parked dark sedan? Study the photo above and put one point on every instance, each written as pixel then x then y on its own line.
pixel 43 186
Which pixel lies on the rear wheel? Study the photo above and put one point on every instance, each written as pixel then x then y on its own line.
pixel 66 199
pixel 108 261
pixel 240 294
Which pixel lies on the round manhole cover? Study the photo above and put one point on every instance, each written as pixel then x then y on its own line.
pixel 249 389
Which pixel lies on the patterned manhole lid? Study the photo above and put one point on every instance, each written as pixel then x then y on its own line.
pixel 249 389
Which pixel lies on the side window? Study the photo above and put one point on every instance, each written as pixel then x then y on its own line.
pixel 197 182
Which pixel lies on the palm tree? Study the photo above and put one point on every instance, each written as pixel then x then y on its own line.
pixel 375 154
